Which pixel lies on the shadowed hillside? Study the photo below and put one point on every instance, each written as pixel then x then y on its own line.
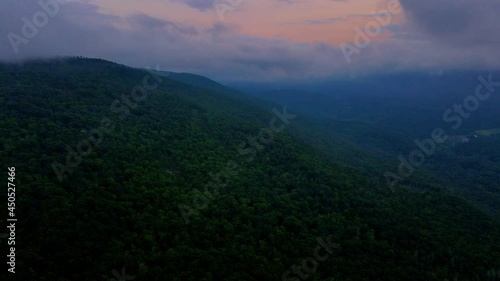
pixel 118 168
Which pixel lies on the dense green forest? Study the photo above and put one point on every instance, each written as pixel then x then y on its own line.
pixel 381 117
pixel 182 182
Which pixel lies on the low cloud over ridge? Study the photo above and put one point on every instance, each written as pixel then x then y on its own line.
pixel 436 34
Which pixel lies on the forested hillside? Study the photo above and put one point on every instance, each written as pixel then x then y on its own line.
pixel 384 115
pixel 179 182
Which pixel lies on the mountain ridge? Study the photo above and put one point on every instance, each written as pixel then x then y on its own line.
pixel 119 207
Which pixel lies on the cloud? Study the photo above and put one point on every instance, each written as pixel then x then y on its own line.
pixel 202 5
pixel 147 22
pixel 221 51
pixel 463 23
pixel 324 21
pixel 141 40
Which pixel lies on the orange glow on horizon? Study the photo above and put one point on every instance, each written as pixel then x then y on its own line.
pixel 311 21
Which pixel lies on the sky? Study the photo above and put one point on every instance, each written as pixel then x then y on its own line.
pixel 259 40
